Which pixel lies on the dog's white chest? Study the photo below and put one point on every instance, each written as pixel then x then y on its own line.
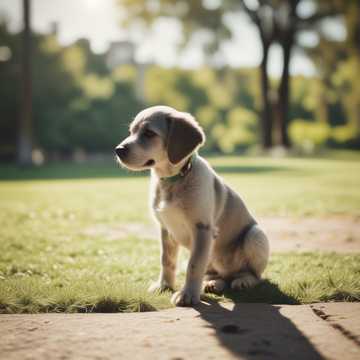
pixel 174 221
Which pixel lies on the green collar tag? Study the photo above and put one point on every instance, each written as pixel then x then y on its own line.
pixel 183 172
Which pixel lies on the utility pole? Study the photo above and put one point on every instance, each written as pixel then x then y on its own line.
pixel 24 141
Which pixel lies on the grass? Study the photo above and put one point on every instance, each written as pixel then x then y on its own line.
pixel 65 243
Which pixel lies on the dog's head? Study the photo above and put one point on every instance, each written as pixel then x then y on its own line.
pixel 159 134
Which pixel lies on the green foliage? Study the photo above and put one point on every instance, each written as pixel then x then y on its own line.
pixel 162 86
pixel 9 102
pixel 338 62
pixel 308 135
pixel 95 87
pixel 239 131
pixel 80 104
pixel 211 96
pixel 344 134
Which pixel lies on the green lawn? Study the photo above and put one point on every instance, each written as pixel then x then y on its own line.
pixel 61 249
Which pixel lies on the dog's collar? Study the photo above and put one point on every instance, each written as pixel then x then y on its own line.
pixel 183 172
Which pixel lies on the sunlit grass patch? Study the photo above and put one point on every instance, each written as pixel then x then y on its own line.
pixel 292 278
pixel 66 244
pixel 82 295
pixel 299 278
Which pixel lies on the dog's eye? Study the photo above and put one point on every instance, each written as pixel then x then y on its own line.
pixel 149 133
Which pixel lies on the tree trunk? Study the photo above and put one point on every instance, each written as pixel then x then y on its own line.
pixel 266 113
pixel 24 145
pixel 284 95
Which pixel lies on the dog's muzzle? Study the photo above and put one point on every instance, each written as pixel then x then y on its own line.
pixel 122 151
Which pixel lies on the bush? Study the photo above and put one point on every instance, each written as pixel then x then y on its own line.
pixel 309 135
pixel 238 132
pixel 343 134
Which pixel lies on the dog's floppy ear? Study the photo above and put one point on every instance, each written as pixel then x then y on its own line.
pixel 184 136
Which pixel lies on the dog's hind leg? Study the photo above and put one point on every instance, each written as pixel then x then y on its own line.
pixel 244 280
pixel 255 252
pixel 213 283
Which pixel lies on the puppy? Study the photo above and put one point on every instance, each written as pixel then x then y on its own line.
pixel 194 208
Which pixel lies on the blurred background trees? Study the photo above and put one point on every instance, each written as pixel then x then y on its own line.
pixel 25 128
pixel 83 101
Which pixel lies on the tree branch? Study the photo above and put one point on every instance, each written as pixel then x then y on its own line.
pixel 252 13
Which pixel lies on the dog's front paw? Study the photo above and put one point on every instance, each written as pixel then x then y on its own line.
pixel 159 286
pixel 185 297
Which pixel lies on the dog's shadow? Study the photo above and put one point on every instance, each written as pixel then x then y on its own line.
pixel 265 292
pixel 252 330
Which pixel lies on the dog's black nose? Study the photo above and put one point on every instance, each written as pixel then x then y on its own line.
pixel 121 151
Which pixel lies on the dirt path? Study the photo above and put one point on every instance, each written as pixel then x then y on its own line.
pixel 340 234
pixel 210 331
pixel 303 234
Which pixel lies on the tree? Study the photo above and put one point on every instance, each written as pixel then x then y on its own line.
pixel 278 21
pixel 9 107
pixel 338 63
pixel 78 103
pixel 24 146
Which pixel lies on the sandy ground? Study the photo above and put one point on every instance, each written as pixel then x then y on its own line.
pixel 340 234
pixel 209 331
